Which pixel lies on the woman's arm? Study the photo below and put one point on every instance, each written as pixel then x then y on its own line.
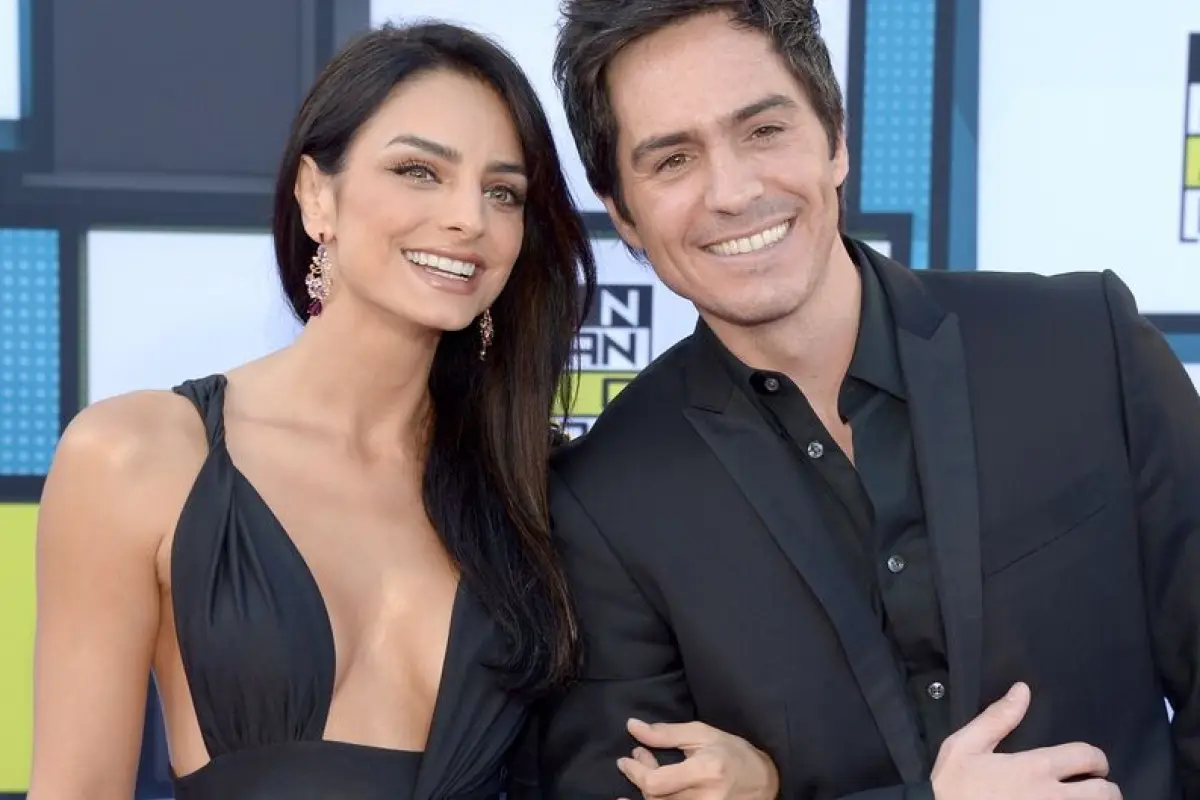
pixel 99 530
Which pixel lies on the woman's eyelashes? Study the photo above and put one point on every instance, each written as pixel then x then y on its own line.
pixel 423 173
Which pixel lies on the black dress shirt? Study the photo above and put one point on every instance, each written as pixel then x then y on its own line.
pixel 873 506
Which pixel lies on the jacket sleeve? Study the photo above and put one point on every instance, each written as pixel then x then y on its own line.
pixel 631 667
pixel 1162 434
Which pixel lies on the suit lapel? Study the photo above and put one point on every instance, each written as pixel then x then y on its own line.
pixel 768 475
pixel 931 357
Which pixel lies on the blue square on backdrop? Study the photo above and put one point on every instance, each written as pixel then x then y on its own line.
pixel 898 109
pixel 29 350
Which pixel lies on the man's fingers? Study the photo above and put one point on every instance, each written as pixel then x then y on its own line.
pixel 644 757
pixel 637 773
pixel 678 735
pixel 1076 759
pixel 1094 789
pixel 986 731
pixel 668 780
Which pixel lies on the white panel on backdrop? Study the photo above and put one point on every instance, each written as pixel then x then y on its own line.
pixel 1082 117
pixel 672 317
pixel 527 29
pixel 165 306
pixel 10 61
pixel 835 30
pixel 1194 371
pixel 881 247
pixel 1193 109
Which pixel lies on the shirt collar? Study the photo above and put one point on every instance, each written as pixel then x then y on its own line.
pixel 876 359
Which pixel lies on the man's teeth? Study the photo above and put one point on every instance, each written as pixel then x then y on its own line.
pixel 459 269
pixel 748 244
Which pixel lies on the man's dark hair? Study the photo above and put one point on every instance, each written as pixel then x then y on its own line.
pixel 593 32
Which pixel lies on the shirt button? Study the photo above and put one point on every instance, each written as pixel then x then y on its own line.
pixel 896 564
pixel 815 449
pixel 771 384
pixel 937 690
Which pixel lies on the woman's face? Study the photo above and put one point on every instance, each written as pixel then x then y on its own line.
pixel 426 219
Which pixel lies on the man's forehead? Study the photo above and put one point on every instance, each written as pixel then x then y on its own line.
pixel 641 114
pixel 714 71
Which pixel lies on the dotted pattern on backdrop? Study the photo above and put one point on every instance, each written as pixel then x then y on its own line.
pixel 897 125
pixel 29 350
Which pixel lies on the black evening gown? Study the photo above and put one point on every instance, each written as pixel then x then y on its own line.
pixel 258 653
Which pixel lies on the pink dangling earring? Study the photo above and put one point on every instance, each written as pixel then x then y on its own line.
pixel 317 280
pixel 486 332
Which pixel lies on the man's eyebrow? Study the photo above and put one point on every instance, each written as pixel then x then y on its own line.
pixel 653 144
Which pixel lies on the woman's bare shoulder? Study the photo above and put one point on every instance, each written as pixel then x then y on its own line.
pixel 133 432
pixel 133 455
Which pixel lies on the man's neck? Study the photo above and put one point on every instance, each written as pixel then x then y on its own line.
pixel 814 345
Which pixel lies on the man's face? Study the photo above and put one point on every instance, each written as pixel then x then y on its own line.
pixel 726 170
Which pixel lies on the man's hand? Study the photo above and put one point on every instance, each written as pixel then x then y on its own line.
pixel 718 765
pixel 968 768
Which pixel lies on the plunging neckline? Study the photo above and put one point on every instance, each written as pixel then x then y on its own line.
pixel 326 631
pixel 264 720
pixel 310 577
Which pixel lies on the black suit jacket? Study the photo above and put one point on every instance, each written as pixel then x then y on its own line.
pixel 1058 446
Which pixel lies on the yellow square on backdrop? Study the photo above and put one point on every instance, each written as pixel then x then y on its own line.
pixel 595 390
pixel 1191 163
pixel 17 526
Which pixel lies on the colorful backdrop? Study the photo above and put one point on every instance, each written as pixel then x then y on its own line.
pixel 138 141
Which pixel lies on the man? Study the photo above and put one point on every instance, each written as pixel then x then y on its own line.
pixel 879 523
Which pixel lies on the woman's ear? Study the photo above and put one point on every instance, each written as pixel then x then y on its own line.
pixel 314 195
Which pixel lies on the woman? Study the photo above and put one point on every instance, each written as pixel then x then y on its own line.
pixel 336 559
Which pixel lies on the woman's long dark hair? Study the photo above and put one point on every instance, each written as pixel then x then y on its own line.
pixel 485 487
